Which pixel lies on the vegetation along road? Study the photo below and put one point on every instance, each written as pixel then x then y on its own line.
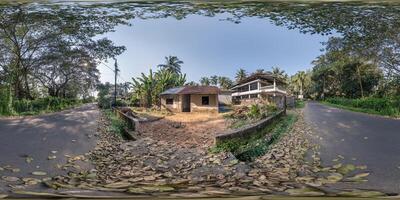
pixel 38 144
pixel 359 139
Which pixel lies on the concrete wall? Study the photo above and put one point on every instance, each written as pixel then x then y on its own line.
pixel 225 98
pixel 196 104
pixel 247 131
pixel 175 107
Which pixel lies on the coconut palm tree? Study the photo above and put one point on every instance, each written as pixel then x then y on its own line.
pixel 205 81
pixel 279 73
pixel 225 82
pixel 240 75
pixel 214 80
pixel 172 64
pixel 299 80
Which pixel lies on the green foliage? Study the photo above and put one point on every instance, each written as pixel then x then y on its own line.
pixel 43 105
pixel 117 125
pixel 254 112
pixel 5 101
pixel 257 144
pixel 300 104
pixel 147 87
pixel 380 106
pixel 103 98
pixel 249 114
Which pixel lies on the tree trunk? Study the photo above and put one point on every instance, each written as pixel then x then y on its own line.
pixel 359 81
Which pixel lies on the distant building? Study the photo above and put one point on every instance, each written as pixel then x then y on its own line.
pixel 259 86
pixel 191 99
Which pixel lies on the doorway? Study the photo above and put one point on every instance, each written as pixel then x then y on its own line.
pixel 186 103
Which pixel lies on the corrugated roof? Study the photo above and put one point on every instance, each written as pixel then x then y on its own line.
pixel 192 90
pixel 172 90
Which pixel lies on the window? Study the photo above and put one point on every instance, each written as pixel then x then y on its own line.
pixel 254 86
pixel 252 96
pixel 169 101
pixel 205 100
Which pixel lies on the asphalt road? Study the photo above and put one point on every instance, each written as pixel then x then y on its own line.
pixel 70 132
pixel 361 139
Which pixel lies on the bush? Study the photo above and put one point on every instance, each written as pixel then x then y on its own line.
pixel 382 106
pixel 47 104
pixel 104 102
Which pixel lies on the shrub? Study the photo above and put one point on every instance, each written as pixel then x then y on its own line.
pixel 382 106
pixel 254 112
pixel 47 104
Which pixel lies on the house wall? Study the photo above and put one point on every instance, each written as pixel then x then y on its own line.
pixel 175 107
pixel 225 98
pixel 196 104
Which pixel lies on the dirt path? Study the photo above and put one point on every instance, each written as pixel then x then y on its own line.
pixel 187 130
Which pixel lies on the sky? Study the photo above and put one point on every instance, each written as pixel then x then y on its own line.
pixel 211 46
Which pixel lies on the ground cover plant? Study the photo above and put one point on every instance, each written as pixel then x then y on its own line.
pixel 372 105
pixel 38 106
pixel 245 115
pixel 257 144
pixel 117 125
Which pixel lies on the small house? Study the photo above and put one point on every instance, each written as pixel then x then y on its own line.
pixel 190 99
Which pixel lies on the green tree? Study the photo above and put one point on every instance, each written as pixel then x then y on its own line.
pixel 214 80
pixel 225 82
pixel 172 64
pixel 204 81
pixel 240 75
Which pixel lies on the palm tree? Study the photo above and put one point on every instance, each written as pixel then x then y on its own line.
pixel 240 75
pixel 278 73
pixel 299 80
pixel 205 81
pixel 225 82
pixel 172 64
pixel 259 71
pixel 214 80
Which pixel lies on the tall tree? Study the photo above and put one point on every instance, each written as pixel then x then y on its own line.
pixel 214 80
pixel 240 75
pixel 225 82
pixel 172 64
pixel 204 81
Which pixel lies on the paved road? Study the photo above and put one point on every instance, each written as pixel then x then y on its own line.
pixel 69 132
pixel 372 140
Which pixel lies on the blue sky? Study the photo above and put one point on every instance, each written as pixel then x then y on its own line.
pixel 210 46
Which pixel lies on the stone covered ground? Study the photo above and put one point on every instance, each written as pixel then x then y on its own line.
pixel 160 167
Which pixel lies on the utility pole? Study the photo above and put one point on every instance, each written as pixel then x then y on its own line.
pixel 116 70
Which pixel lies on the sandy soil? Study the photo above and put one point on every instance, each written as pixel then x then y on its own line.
pixel 186 129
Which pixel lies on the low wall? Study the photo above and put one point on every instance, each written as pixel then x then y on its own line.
pixel 131 122
pixel 247 131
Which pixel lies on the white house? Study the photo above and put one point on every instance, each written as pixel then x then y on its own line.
pixel 259 85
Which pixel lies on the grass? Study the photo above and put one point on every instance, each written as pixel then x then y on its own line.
pixel 117 125
pixel 247 149
pixel 377 106
pixel 38 106
pixel 300 103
